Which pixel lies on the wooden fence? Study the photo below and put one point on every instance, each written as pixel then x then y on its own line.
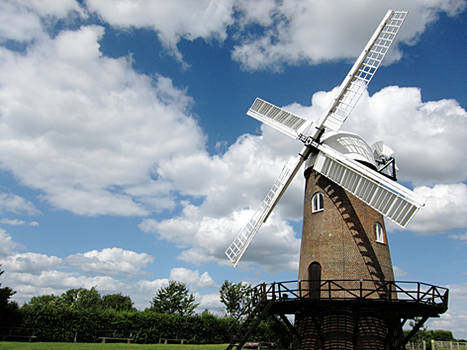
pixel 436 345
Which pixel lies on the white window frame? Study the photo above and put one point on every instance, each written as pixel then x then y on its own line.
pixel 379 233
pixel 317 202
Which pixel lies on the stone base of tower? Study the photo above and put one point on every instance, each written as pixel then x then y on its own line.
pixel 348 328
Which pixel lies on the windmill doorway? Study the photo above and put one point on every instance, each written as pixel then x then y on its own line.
pixel 314 276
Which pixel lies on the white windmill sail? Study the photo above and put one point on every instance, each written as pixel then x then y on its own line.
pixel 278 118
pixel 239 245
pixel 363 70
pixel 394 201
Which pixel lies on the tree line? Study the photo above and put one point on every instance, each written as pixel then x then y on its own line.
pixel 83 315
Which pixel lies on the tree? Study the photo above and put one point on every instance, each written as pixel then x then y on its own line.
pixel 174 299
pixel 43 301
pixel 236 297
pixel 81 299
pixel 117 302
pixel 9 314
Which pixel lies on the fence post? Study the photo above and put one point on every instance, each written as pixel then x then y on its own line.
pixel 433 345
pixel 424 344
pixel 450 345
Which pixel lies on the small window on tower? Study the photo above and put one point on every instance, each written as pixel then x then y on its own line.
pixel 317 202
pixel 379 233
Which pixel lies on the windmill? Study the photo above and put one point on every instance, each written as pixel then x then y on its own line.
pixel 343 158
pixel 345 296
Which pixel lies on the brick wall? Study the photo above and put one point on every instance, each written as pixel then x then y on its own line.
pixel 341 238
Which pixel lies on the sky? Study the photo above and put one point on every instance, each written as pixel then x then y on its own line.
pixel 127 160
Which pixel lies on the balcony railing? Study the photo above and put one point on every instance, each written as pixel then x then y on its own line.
pixel 416 292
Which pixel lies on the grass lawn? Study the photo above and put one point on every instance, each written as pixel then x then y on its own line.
pixel 98 346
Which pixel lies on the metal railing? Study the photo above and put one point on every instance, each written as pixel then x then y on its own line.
pixel 416 292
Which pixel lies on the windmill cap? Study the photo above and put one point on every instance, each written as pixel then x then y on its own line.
pixel 350 144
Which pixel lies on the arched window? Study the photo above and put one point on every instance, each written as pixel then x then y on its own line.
pixel 379 233
pixel 317 202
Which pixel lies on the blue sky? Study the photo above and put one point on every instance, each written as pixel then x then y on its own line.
pixel 126 157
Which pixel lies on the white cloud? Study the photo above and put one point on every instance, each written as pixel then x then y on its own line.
pixel 295 31
pixel 21 20
pixel 237 182
pixel 45 8
pixel 437 127
pixel 461 237
pixel 16 222
pixel 12 222
pixel 172 20
pixel 191 277
pixel 115 270
pixel 210 302
pixel 68 111
pixel 275 247
pixel 455 319
pixel 56 282
pixel 110 261
pixel 12 203
pixel 30 263
pixel 6 244
pixel 289 32
pixel 446 209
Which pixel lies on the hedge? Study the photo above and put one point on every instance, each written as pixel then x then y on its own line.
pixel 62 325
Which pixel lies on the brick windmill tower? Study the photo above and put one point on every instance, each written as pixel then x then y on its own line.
pixel 345 296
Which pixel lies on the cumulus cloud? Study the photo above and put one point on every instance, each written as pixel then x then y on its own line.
pixel 172 20
pixel 113 270
pixel 191 277
pixel 295 31
pixel 238 180
pixel 275 247
pixel 438 127
pixel 446 209
pixel 87 130
pixel 23 20
pixel 30 263
pixel 210 302
pixel 269 33
pixel 57 282
pixel 6 244
pixel 11 203
pixel 110 261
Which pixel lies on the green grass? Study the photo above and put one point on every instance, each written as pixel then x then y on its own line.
pixel 98 346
